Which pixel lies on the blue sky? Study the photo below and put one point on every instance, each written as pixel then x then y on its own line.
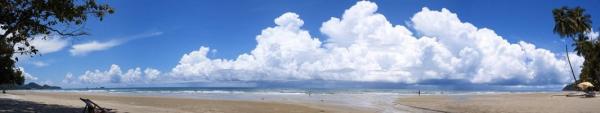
pixel 157 33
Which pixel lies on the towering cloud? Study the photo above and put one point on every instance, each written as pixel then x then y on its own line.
pixel 363 45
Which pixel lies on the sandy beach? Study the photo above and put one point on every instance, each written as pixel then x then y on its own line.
pixel 57 102
pixel 504 103
pixel 154 104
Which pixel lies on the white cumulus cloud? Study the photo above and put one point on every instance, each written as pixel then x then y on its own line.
pixel 593 35
pixel 115 75
pixel 69 79
pixel 363 45
pixel 28 77
pixel 151 74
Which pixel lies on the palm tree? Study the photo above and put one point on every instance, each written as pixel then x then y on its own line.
pixel 572 23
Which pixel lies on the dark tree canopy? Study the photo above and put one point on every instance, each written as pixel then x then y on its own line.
pixel 22 20
pixel 571 22
pixel 574 23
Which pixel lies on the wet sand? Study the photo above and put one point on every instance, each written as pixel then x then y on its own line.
pixel 504 103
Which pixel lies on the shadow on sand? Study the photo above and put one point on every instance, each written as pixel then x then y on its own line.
pixel 17 106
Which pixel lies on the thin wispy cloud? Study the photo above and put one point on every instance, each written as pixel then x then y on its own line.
pixel 39 63
pixel 85 48
pixel 45 44
pixel 93 46
pixel 49 45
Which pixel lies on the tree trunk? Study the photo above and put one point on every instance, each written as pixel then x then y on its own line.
pixel 569 60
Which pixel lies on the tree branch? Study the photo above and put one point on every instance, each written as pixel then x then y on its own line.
pixel 70 34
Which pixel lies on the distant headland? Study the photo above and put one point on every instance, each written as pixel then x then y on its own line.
pixel 33 85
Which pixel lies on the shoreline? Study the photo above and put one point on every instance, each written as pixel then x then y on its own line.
pixel 145 104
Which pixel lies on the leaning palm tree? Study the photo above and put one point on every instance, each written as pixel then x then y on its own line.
pixel 572 23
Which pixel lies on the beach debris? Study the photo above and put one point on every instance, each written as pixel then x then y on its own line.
pixel 91 107
pixel 585 85
pixel 590 94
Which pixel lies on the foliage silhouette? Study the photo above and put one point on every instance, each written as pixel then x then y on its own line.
pixel 23 20
pixel 574 23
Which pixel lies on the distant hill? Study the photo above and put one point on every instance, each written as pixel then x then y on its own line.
pixel 570 87
pixel 33 85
